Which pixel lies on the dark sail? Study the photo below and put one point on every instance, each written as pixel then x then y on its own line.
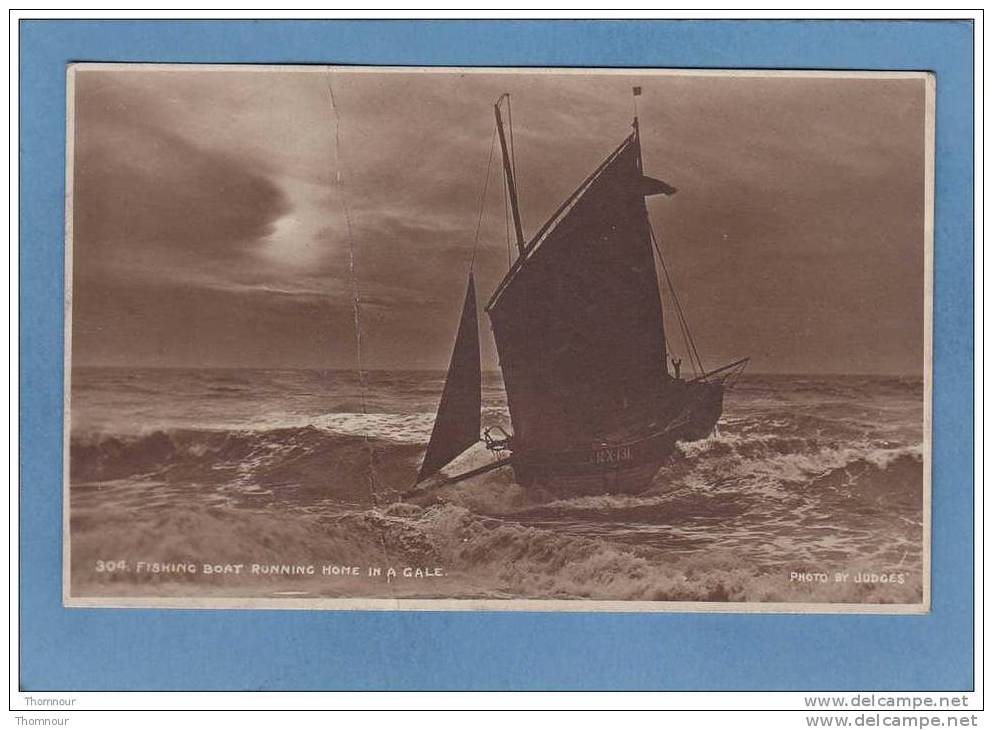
pixel 456 427
pixel 578 323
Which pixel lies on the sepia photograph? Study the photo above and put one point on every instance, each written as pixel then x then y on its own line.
pixel 495 338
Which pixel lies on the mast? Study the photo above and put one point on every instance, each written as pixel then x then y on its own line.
pixel 570 371
pixel 637 144
pixel 635 93
pixel 508 170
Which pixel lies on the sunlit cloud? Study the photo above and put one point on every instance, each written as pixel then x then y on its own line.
pixel 227 189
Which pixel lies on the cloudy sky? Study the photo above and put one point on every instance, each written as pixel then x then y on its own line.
pixel 215 210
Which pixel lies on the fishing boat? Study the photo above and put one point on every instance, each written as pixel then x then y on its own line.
pixel 579 331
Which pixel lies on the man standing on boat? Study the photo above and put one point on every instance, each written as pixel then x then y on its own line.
pixel 676 363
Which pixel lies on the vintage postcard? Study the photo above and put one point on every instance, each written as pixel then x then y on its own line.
pixel 545 339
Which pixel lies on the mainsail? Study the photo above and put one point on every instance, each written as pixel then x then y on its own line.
pixel 578 322
pixel 579 331
pixel 456 426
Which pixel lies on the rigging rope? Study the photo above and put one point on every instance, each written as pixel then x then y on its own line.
pixel 482 199
pixel 684 327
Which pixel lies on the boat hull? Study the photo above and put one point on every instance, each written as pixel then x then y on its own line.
pixel 559 475
pixel 629 462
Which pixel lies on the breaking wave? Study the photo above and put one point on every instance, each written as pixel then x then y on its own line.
pixel 804 474
pixel 332 439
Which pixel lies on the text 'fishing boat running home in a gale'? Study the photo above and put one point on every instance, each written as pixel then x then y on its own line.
pixel 579 330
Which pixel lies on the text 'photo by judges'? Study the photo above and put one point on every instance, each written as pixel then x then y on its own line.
pixel 545 339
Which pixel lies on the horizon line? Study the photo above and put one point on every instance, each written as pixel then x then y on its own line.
pixel 108 366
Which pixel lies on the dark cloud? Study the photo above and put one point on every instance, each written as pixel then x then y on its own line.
pixel 796 235
pixel 147 196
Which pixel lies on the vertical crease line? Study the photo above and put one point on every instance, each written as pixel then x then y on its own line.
pixel 339 180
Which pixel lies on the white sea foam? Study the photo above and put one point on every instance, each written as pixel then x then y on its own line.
pixel 409 428
pixel 275 470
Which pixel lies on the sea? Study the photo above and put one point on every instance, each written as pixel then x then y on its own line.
pixel 240 483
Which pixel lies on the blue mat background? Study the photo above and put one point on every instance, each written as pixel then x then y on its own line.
pixel 85 649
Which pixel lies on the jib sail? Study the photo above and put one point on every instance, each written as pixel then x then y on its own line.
pixel 456 426
pixel 578 322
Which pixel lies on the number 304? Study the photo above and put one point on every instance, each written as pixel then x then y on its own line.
pixel 110 566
